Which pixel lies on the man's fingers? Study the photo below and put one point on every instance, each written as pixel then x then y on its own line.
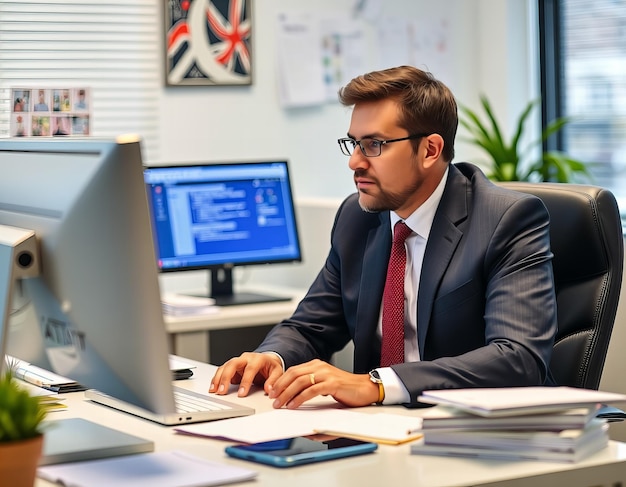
pixel 247 379
pixel 275 373
pixel 245 370
pixel 303 382
pixel 294 388
pixel 229 373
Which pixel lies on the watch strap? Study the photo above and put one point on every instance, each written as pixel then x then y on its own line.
pixel 375 378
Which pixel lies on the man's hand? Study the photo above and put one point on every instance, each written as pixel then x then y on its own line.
pixel 247 369
pixel 317 378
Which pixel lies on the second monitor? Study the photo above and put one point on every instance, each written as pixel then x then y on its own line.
pixel 217 216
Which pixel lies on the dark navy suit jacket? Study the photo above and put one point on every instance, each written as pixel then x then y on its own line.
pixel 486 304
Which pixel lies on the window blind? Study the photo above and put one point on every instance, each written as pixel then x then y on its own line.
pixel 112 47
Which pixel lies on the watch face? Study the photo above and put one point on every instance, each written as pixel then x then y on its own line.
pixel 374 377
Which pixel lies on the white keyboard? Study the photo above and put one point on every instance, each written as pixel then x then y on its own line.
pixel 187 403
pixel 191 407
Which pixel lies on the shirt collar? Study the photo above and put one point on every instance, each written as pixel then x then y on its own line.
pixel 421 220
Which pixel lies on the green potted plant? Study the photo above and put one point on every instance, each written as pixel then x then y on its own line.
pixel 510 162
pixel 21 433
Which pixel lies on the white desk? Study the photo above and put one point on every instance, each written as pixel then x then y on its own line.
pixel 390 465
pixel 190 335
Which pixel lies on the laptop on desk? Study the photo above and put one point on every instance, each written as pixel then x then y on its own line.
pixel 192 407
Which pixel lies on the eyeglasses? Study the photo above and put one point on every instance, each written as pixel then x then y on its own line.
pixel 370 147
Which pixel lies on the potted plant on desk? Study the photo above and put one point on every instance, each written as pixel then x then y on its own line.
pixel 21 436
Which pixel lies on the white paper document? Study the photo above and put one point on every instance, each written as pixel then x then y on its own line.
pixel 505 401
pixel 177 364
pixel 448 417
pixel 569 456
pixel 286 423
pixel 299 57
pixel 184 305
pixel 162 469
pixel 520 439
pixel 42 378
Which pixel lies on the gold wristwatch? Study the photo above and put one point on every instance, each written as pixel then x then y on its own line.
pixel 375 378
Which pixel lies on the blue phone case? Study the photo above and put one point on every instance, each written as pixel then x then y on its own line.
pixel 299 451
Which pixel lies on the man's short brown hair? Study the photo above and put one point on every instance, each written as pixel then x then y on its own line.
pixel 426 104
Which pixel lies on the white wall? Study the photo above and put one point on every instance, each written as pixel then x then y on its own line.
pixel 494 52
pixel 488 40
pixel 491 53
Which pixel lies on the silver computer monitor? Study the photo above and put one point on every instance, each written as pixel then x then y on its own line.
pixel 94 312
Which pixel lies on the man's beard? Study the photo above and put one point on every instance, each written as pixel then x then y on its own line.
pixel 386 201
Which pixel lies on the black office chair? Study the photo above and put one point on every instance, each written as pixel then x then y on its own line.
pixel 586 239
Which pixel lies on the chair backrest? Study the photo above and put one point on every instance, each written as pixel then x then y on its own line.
pixel 588 246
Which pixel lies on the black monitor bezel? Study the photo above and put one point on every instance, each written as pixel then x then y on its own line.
pixel 228 265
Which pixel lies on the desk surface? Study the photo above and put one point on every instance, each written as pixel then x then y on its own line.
pixel 190 335
pixel 390 465
pixel 238 316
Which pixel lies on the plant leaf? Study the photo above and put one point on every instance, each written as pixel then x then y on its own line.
pixel 521 122
pixel 506 157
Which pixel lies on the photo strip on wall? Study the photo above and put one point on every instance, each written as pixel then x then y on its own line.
pixel 50 112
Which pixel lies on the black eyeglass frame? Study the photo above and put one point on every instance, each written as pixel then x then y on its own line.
pixel 345 150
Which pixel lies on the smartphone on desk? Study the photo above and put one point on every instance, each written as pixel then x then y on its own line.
pixel 300 450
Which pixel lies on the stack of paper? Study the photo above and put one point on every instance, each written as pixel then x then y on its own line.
pixel 42 378
pixel 538 423
pixel 184 305
pixel 451 418
pixel 516 401
pixel 549 443
pixel 385 428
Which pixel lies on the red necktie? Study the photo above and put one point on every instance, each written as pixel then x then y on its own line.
pixel 392 351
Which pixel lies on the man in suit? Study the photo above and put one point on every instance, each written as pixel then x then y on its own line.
pixel 478 298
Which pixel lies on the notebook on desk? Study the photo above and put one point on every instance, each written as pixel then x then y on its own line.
pixel 76 439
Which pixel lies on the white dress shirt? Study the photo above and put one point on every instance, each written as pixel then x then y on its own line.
pixel 420 221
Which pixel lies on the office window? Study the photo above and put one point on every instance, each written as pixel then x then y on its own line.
pixel 584 77
pixel 113 47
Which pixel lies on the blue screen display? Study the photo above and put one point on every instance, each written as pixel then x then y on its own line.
pixel 211 215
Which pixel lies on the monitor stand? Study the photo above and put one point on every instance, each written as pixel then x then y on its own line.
pixel 222 291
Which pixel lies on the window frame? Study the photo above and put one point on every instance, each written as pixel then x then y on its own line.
pixel 551 68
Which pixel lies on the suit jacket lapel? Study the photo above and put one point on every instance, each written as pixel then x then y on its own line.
pixel 374 270
pixel 442 242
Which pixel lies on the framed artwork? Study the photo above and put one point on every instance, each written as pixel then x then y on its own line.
pixel 208 42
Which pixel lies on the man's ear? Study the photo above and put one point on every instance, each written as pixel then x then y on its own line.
pixel 433 145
